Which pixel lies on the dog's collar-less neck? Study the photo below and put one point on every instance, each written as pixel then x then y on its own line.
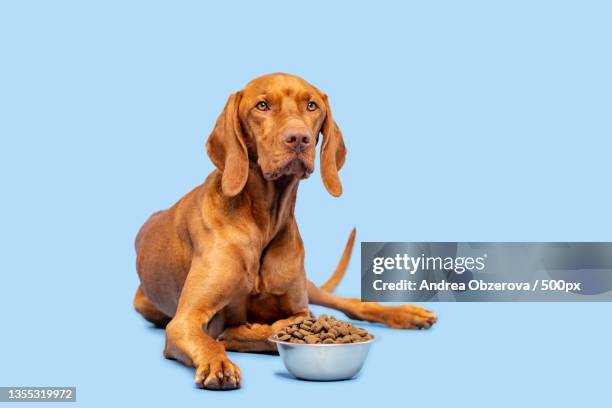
pixel 275 198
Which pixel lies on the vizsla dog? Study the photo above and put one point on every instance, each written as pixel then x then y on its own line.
pixel 223 268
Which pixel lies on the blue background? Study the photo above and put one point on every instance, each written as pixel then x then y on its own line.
pixel 463 120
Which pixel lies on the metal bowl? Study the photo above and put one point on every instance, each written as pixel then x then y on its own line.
pixel 323 362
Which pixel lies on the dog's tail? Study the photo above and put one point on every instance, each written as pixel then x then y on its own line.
pixel 335 279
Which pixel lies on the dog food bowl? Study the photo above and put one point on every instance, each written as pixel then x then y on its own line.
pixel 323 362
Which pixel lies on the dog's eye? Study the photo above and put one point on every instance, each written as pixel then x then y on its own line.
pixel 262 106
pixel 311 106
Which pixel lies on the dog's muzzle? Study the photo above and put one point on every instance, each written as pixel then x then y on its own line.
pixel 295 166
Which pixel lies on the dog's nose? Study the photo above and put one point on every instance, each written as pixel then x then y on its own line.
pixel 297 139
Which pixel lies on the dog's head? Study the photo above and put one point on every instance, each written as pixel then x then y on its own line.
pixel 275 122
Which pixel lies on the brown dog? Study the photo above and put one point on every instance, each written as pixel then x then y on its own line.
pixel 223 268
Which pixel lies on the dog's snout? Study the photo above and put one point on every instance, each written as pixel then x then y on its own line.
pixel 297 139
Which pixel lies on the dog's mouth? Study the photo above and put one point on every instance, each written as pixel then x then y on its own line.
pixel 294 166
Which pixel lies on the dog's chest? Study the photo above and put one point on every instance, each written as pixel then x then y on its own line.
pixel 275 282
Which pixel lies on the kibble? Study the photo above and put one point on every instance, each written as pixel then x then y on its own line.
pixel 324 330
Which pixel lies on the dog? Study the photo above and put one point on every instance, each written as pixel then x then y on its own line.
pixel 223 268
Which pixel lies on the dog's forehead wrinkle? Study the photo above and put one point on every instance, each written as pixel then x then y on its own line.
pixel 289 105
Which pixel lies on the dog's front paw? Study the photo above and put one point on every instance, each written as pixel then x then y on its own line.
pixel 409 317
pixel 219 374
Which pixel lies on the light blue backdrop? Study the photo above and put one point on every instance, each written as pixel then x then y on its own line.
pixel 463 120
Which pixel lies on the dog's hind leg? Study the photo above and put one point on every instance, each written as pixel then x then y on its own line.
pixel 399 317
pixel 148 310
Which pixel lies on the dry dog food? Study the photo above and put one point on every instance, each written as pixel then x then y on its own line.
pixel 324 330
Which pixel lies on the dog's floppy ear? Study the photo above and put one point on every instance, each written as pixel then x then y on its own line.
pixel 333 152
pixel 227 150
